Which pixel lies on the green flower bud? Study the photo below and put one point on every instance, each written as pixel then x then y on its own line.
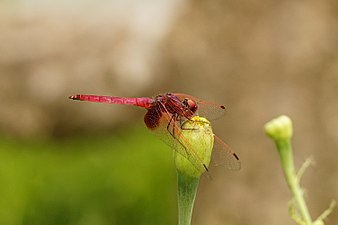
pixel 279 128
pixel 198 133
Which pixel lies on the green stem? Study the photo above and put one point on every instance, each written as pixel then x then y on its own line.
pixel 285 153
pixel 187 188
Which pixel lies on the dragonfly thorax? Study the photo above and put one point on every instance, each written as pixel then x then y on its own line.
pixel 170 103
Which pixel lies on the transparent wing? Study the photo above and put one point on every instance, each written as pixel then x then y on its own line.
pixel 206 109
pixel 169 131
pixel 223 155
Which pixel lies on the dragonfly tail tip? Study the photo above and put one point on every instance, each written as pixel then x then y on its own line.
pixel 74 97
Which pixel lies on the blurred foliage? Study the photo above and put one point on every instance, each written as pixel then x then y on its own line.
pixel 117 179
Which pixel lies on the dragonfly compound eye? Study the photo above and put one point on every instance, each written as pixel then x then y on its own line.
pixel 191 105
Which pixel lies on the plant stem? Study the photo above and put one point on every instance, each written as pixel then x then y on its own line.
pixel 285 153
pixel 187 188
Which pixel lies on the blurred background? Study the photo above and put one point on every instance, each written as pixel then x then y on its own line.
pixel 65 162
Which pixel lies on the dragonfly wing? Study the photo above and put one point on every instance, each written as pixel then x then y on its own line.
pixel 206 109
pixel 169 131
pixel 223 155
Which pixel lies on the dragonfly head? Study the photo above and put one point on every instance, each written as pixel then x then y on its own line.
pixel 190 104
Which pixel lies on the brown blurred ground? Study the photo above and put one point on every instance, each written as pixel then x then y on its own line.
pixel 260 58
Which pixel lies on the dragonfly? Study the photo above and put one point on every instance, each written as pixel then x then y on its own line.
pixel 164 117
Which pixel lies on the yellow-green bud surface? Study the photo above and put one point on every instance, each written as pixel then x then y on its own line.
pixel 198 133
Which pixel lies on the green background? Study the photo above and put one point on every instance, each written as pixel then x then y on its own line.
pixel 119 179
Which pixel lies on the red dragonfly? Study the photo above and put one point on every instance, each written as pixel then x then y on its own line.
pixel 165 115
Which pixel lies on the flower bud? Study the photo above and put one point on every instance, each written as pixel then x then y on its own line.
pixel 198 134
pixel 279 128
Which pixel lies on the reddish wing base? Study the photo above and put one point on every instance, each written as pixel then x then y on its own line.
pixel 206 109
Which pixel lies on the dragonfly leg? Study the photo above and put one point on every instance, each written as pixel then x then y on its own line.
pixel 173 120
pixel 184 128
pixel 195 121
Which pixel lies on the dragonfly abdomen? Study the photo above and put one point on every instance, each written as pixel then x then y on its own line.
pixel 141 102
